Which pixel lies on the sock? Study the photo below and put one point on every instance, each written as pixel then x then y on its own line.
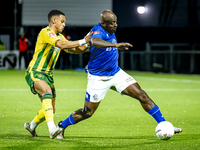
pixel 47 107
pixel 33 125
pixel 51 125
pixel 68 121
pixel 39 118
pixel 156 114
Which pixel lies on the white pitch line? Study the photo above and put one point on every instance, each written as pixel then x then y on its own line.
pixel 172 90
pixel 21 90
pixel 168 80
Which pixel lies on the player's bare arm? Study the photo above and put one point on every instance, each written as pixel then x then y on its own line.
pixel 99 43
pixel 72 44
pixel 79 49
pixel 66 44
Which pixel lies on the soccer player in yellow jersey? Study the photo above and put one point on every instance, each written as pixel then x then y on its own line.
pixel 39 74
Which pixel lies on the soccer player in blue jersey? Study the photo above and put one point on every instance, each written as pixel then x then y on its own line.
pixel 104 73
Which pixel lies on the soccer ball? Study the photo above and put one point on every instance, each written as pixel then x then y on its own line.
pixel 164 130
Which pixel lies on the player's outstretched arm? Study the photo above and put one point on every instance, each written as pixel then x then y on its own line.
pixel 73 44
pixel 79 49
pixel 123 46
pixel 99 43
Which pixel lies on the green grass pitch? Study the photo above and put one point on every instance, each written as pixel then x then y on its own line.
pixel 119 123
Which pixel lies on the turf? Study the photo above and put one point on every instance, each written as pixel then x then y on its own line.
pixel 119 123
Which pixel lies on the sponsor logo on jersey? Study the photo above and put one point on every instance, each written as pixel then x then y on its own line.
pixel 51 34
pixel 110 49
pixel 96 32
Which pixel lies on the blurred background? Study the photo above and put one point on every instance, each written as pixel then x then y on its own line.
pixel 165 33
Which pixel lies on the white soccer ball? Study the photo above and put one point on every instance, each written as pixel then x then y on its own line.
pixel 164 130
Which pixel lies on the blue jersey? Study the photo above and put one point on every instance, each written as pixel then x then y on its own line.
pixel 103 61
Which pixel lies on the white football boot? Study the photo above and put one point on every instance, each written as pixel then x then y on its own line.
pixel 32 132
pixel 55 132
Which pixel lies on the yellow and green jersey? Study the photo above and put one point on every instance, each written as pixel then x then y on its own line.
pixel 46 53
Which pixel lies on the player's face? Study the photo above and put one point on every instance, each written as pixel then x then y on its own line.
pixel 60 23
pixel 111 25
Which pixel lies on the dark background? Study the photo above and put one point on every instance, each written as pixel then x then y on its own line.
pixel 166 21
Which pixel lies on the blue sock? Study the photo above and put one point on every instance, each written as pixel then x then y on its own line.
pixel 68 121
pixel 156 114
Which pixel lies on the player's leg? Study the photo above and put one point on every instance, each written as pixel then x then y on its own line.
pixel 81 114
pixel 127 85
pixel 77 116
pixel 42 88
pixel 43 85
pixel 135 91
pixel 53 104
pixel 39 118
pixel 96 91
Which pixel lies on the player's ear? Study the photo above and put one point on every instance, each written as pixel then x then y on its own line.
pixel 54 20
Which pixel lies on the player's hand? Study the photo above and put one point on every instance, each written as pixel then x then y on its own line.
pixel 88 36
pixel 123 46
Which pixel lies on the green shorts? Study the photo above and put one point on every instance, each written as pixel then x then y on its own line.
pixel 32 76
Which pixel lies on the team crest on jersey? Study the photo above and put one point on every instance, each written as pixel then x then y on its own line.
pixel 41 76
pixel 51 34
pixel 96 32
pixel 95 96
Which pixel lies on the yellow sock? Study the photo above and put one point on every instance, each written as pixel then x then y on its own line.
pixel 47 107
pixel 39 117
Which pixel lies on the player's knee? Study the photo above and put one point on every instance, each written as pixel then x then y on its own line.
pixel 84 113
pixel 88 114
pixel 46 91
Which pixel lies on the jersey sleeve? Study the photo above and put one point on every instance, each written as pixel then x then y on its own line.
pixel 48 37
pixel 98 33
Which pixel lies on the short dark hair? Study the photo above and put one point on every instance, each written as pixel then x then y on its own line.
pixel 54 13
